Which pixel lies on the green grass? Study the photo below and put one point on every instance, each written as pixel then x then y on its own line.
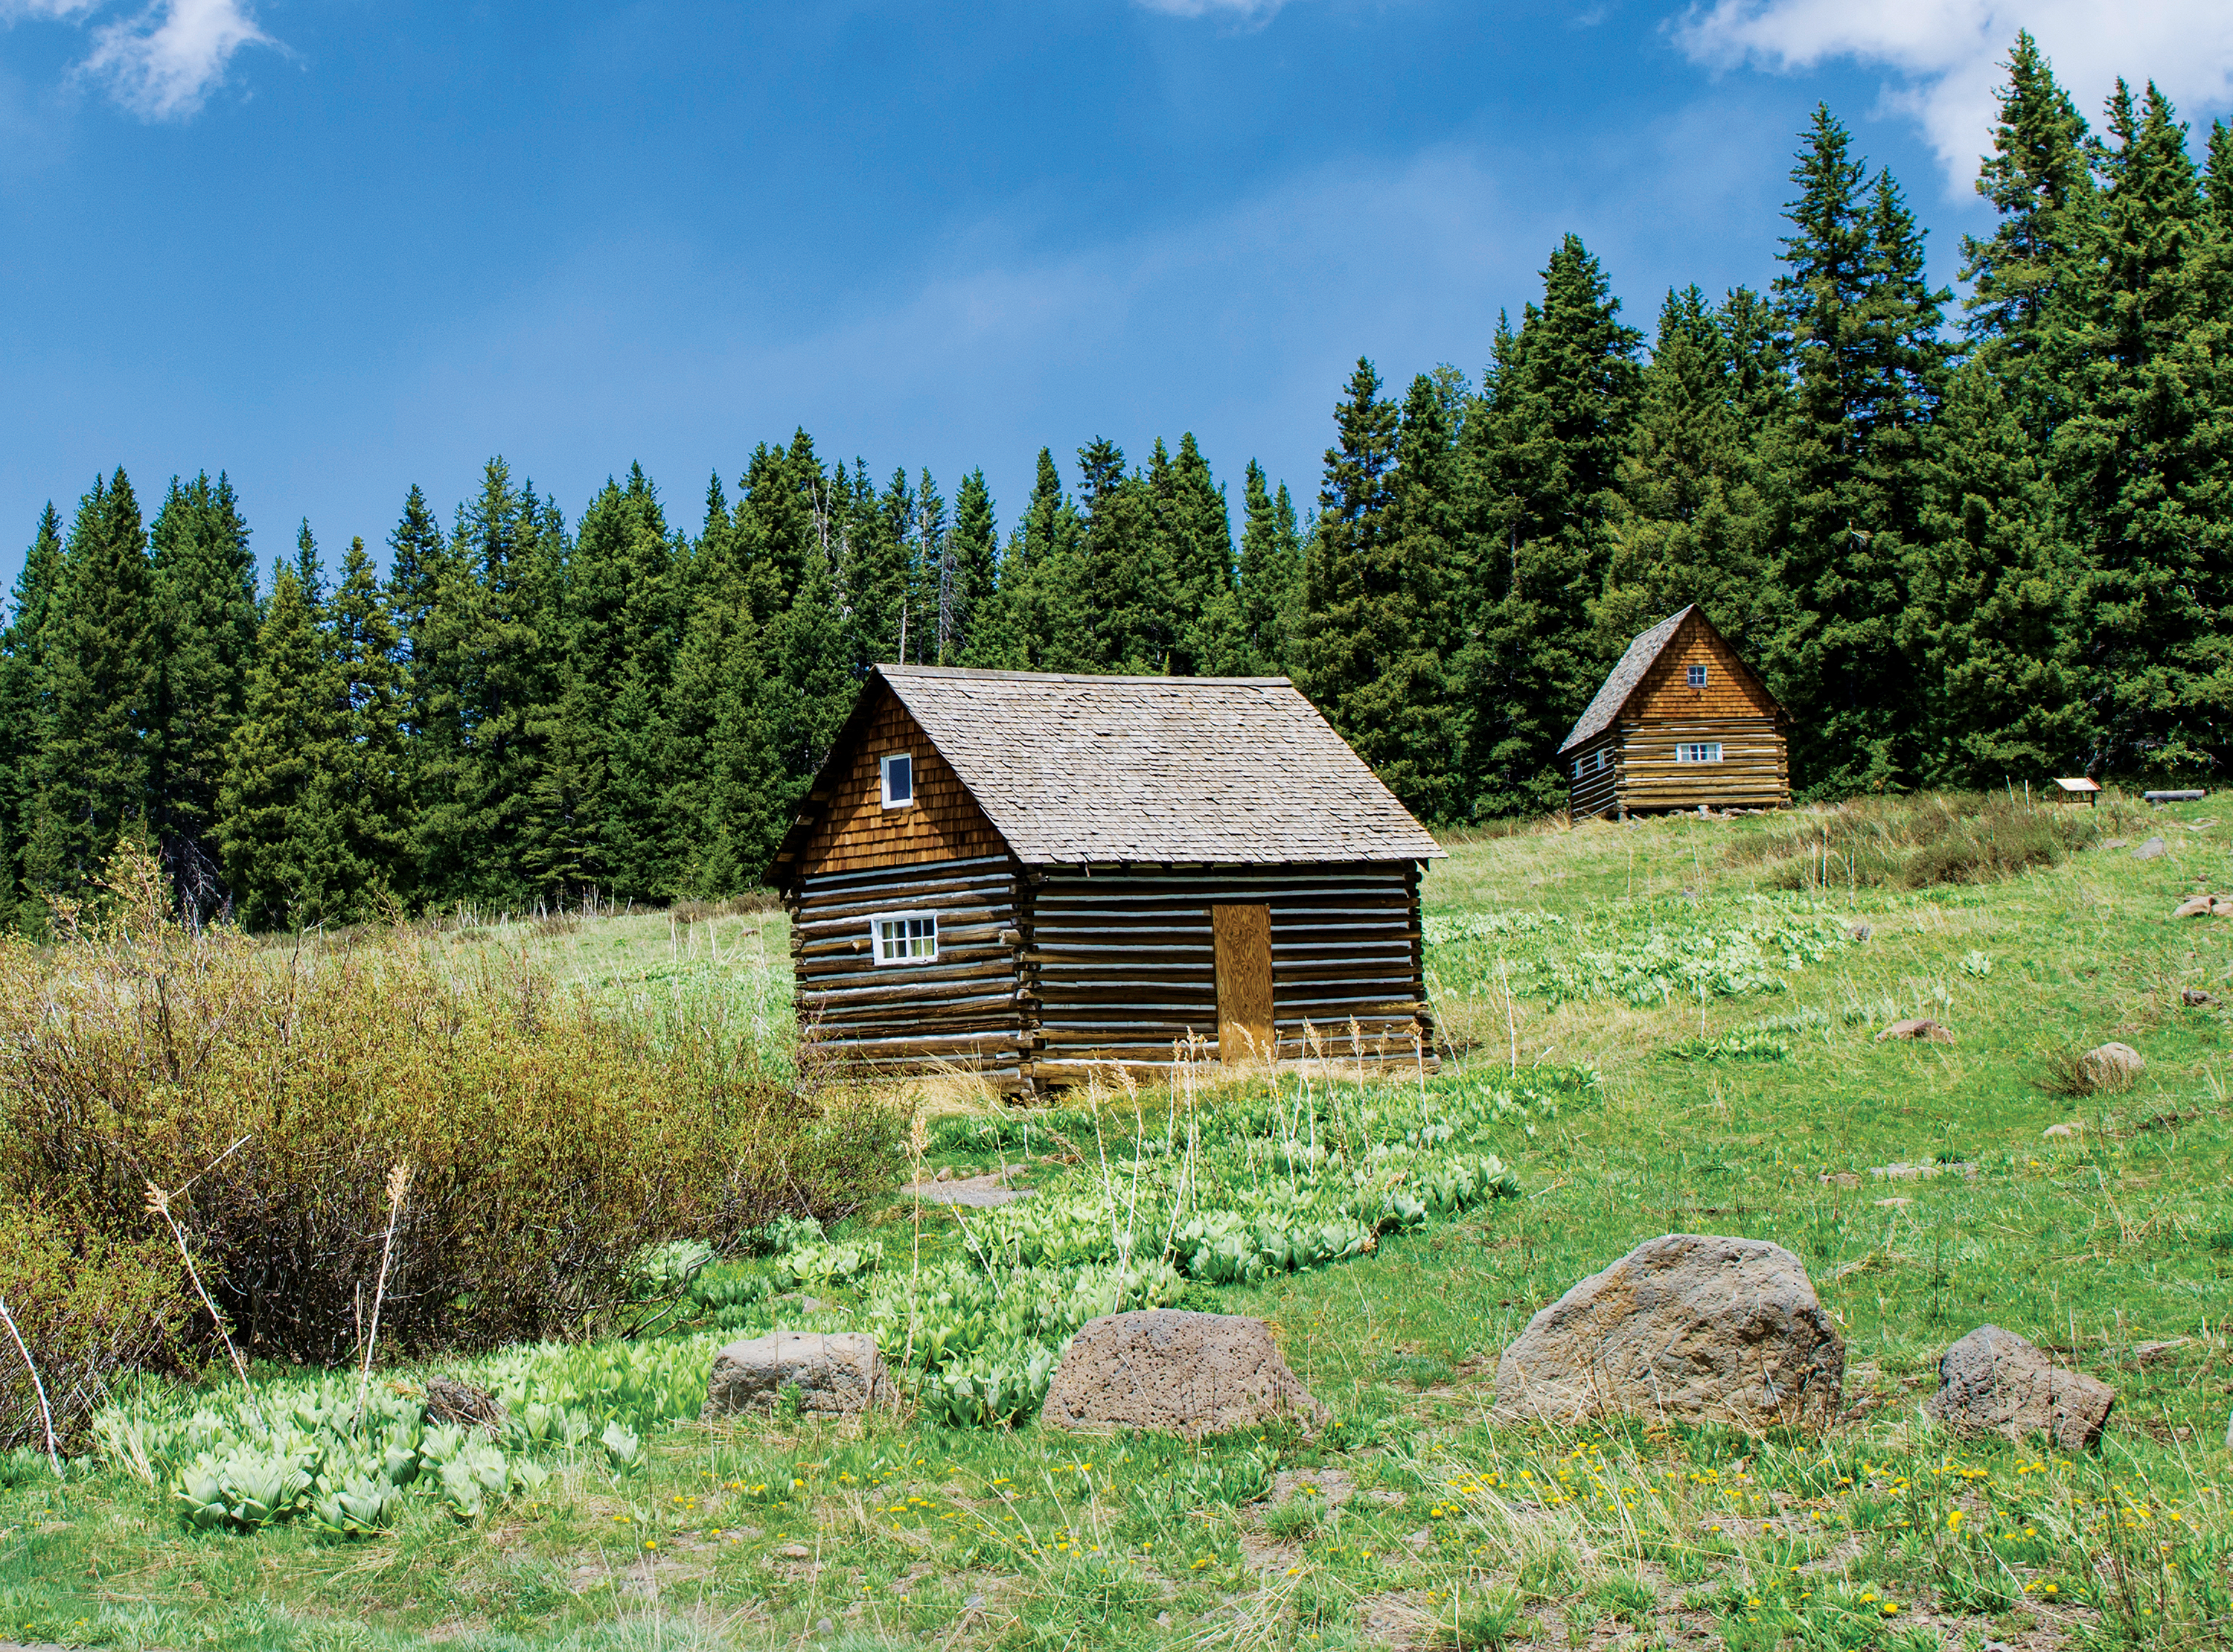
pixel 1759 1107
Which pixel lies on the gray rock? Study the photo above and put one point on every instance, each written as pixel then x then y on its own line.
pixel 2112 1064
pixel 837 1371
pixel 2149 850
pixel 1993 1381
pixel 1178 1373
pixel 1922 1027
pixel 2196 906
pixel 2195 999
pixel 1691 1326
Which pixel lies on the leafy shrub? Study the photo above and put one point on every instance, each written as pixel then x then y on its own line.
pixel 91 1309
pixel 550 1142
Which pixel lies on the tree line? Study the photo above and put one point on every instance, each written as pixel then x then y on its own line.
pixel 1964 546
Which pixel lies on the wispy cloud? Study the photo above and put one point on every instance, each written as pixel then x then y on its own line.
pixel 1241 11
pixel 161 62
pixel 1948 53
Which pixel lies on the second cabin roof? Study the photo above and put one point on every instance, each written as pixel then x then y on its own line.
pixel 1241 770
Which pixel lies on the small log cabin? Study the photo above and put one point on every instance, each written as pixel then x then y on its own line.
pixel 1681 722
pixel 1037 878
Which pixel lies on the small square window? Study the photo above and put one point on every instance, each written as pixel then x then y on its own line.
pixel 904 937
pixel 899 780
pixel 1697 676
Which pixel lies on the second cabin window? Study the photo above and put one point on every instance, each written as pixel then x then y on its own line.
pixel 904 937
pixel 1699 752
pixel 1697 676
pixel 899 780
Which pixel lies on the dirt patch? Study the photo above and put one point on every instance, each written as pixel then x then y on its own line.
pixel 978 1193
pixel 1334 1486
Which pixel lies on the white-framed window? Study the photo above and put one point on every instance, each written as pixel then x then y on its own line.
pixel 1699 752
pixel 1604 757
pixel 898 779
pixel 1697 676
pixel 1580 763
pixel 903 937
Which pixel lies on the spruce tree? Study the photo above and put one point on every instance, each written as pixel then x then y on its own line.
pixel 1037 576
pixel 1990 588
pixel 204 595
pixel 97 688
pixel 1208 640
pixel 2145 464
pixel 2037 181
pixel 23 713
pixel 1271 573
pixel 278 822
pixel 1333 652
pixel 370 777
pixel 1689 524
pixel 1117 615
pixel 973 551
pixel 1863 326
pixel 1543 451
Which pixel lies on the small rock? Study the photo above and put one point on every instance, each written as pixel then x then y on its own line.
pixel 2072 1128
pixel 2149 850
pixel 1419 1541
pixel 1693 1326
pixel 1993 1381
pixel 2222 907
pixel 1892 1204
pixel 2112 1063
pixel 1840 1179
pixel 2196 905
pixel 1186 1374
pixel 1860 932
pixel 824 1626
pixel 2117 842
pixel 835 1372
pixel 1163 1619
pixel 2195 999
pixel 1922 1027
pixel 796 1551
pixel 945 1174
pixel 2155 1353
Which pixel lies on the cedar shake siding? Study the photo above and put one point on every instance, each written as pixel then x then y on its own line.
pixel 1112 867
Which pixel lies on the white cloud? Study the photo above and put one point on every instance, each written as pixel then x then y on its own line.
pixel 163 62
pixel 1948 53
pixel 10 10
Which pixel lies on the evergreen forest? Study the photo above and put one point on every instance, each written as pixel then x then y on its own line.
pixel 1970 542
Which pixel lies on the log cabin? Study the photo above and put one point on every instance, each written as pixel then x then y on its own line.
pixel 1038 879
pixel 1681 722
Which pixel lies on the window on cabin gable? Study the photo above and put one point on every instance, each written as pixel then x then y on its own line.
pixel 1604 757
pixel 898 771
pixel 1697 676
pixel 1699 752
pixel 904 937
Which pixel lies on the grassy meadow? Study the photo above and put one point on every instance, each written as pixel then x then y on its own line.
pixel 1667 1026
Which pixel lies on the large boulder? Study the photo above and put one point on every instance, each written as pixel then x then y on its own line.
pixel 1179 1373
pixel 1690 1326
pixel 1993 1381
pixel 835 1372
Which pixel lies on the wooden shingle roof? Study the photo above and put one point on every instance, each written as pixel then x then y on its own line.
pixel 1235 771
pixel 1634 666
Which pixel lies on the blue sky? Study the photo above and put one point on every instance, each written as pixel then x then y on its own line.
pixel 337 247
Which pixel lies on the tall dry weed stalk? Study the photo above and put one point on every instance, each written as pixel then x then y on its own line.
pixel 159 1202
pixel 399 1184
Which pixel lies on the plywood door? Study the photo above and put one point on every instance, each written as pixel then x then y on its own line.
pixel 1244 983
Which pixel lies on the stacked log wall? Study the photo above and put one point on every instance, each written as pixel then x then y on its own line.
pixel 960 1010
pixel 1119 965
pixel 1593 791
pixel 1754 773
